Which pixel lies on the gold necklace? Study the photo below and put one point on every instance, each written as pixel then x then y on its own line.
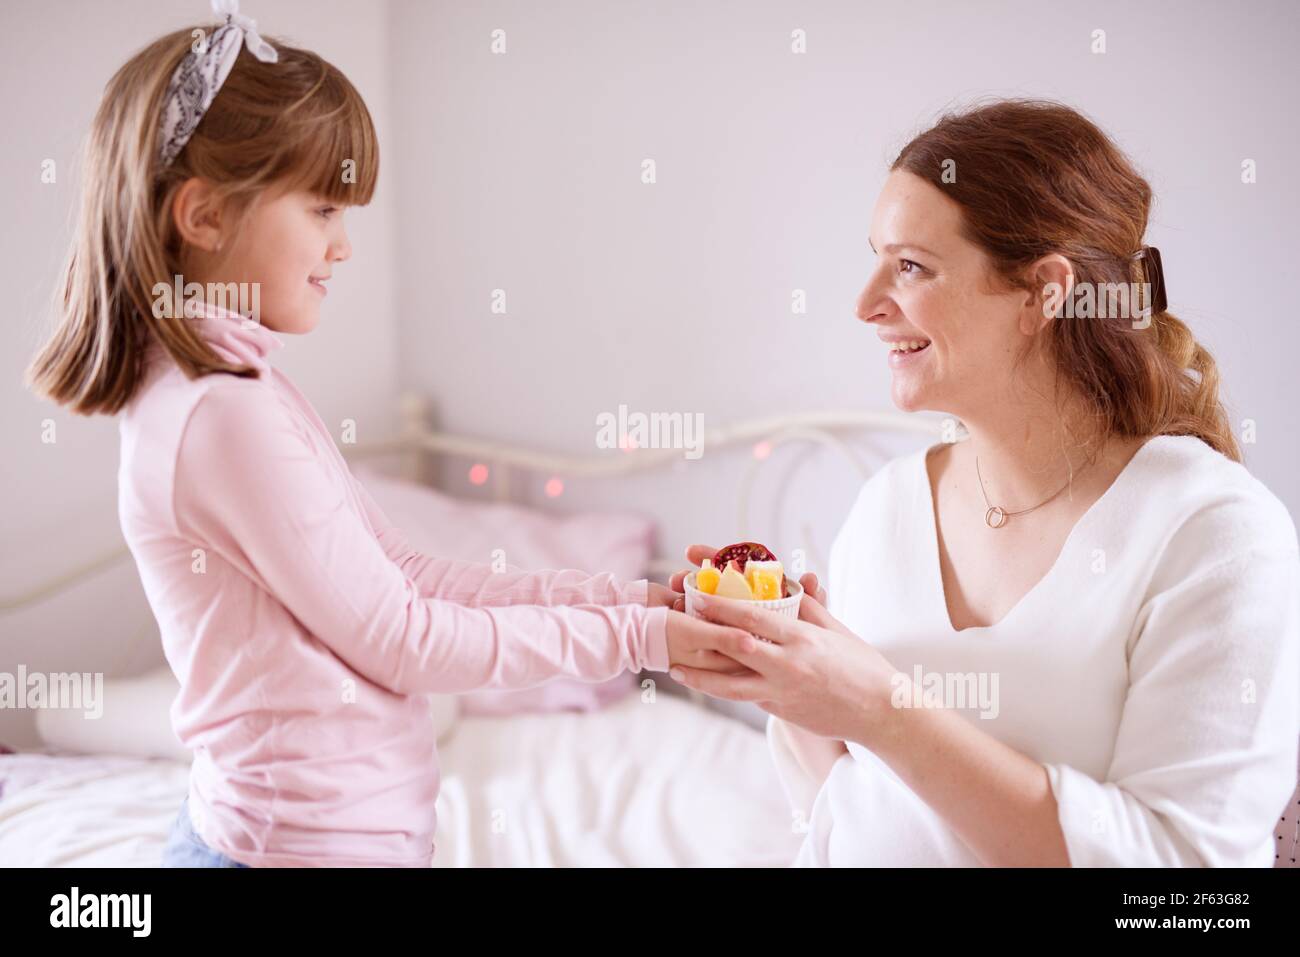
pixel 996 516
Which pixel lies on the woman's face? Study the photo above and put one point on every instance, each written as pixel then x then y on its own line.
pixel 932 286
pixel 289 245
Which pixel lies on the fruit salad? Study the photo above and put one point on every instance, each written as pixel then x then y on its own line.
pixel 746 571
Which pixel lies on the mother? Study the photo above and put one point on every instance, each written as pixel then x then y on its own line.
pixel 1074 637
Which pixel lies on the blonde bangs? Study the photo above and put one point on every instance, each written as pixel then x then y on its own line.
pixel 337 155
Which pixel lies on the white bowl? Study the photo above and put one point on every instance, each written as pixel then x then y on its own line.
pixel 788 606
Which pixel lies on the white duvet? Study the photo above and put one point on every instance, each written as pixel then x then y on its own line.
pixel 636 784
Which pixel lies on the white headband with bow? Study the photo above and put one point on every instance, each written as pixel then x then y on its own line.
pixel 199 76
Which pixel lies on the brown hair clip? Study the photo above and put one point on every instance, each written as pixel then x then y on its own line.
pixel 1155 273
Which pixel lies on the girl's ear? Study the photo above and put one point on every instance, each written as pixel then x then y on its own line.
pixel 197 215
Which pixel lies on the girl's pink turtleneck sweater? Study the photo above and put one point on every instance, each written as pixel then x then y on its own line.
pixel 308 635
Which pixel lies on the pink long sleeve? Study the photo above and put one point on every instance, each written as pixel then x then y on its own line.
pixel 305 631
pixel 251 482
pixel 477 584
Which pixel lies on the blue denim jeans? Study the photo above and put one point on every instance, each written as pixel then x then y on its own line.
pixel 186 849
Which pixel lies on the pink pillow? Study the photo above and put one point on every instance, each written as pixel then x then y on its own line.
pixel 595 542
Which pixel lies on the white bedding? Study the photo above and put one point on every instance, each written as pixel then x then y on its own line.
pixel 636 784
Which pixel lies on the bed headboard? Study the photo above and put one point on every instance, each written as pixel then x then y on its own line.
pixel 417 445
pixel 420 444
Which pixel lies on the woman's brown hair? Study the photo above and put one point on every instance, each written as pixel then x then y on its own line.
pixel 293 124
pixel 1034 177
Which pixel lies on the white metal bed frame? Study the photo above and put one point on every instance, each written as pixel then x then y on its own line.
pixel 417 440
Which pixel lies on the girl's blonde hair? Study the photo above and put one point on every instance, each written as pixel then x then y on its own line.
pixel 273 127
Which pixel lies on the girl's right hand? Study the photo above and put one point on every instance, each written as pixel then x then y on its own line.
pixel 697 643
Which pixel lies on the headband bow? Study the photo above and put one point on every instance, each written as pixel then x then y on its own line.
pixel 198 77
pixel 1155 273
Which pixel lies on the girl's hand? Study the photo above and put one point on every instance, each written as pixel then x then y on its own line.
pixel 694 644
pixel 661 595
pixel 813 672
pixel 696 554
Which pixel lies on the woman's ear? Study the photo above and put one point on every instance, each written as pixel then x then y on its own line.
pixel 1051 281
pixel 197 215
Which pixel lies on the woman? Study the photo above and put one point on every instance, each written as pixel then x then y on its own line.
pixel 1074 637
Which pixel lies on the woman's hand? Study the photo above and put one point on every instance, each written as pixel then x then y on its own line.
pixel 696 554
pixel 813 672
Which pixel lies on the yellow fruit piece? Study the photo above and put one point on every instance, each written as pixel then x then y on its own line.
pixel 752 568
pixel 706 579
pixel 732 584
pixel 766 585
pixel 764 579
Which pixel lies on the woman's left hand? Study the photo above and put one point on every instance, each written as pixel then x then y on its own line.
pixel 813 672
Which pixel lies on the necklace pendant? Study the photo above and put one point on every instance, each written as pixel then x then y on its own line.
pixel 995 517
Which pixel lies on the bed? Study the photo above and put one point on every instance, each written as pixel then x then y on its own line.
pixel 566 775
pixel 639 784
pixel 632 772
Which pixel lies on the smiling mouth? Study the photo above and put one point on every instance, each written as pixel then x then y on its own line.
pixel 316 284
pixel 909 346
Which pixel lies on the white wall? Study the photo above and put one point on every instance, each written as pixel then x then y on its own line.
pixel 522 172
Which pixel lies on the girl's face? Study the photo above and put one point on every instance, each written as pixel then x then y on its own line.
pixel 289 245
pixel 931 286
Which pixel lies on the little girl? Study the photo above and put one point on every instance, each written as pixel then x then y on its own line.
pixel 306 634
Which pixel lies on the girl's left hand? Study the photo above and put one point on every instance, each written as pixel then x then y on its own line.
pixel 661 595
pixel 813 672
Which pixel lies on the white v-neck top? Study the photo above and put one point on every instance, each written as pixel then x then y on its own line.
pixel 1154 670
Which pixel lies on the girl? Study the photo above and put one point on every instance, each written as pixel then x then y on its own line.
pixel 306 633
